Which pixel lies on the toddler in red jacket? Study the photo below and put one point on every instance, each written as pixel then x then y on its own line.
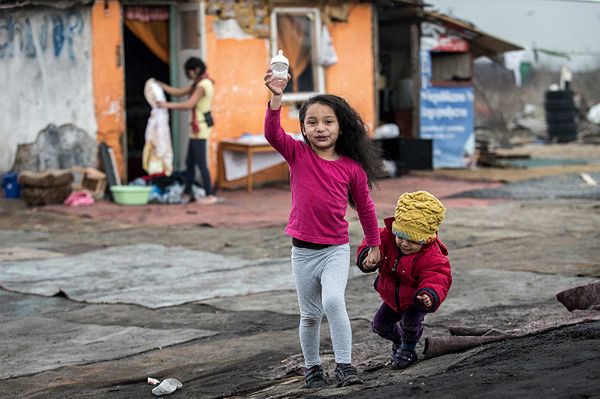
pixel 414 273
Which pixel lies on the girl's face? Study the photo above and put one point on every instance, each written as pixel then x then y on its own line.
pixel 321 127
pixel 408 247
pixel 192 74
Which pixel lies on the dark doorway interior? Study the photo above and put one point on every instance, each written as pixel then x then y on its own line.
pixel 140 65
pixel 395 70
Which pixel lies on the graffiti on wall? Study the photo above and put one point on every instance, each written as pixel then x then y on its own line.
pixel 28 37
pixel 46 67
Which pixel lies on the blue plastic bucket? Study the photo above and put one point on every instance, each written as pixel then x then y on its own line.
pixel 10 186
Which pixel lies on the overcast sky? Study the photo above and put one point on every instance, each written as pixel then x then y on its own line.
pixel 571 26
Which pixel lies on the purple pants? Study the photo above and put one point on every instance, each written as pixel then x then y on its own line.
pixel 398 327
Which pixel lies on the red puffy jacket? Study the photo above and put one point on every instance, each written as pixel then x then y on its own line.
pixel 402 277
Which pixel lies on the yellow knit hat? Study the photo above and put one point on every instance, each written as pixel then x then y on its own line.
pixel 418 217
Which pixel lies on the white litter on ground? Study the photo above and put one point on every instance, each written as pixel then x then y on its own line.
pixel 167 386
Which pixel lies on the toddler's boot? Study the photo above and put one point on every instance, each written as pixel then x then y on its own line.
pixel 404 358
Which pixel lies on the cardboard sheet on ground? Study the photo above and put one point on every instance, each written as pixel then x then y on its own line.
pixel 23 350
pixel 148 275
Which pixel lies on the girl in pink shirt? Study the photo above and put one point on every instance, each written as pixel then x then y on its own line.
pixel 334 166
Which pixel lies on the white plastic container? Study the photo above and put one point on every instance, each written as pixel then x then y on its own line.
pixel 280 66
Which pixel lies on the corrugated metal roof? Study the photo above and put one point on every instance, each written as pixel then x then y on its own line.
pixel 8 4
pixel 481 43
pixel 418 3
pixel 70 3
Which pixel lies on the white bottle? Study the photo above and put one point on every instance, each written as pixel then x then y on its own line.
pixel 280 66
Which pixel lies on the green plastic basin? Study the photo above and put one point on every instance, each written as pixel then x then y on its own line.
pixel 130 195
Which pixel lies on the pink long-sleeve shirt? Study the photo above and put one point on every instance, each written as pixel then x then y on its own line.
pixel 320 190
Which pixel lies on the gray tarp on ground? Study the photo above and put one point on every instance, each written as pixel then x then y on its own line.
pixel 552 187
pixel 149 275
pixel 23 350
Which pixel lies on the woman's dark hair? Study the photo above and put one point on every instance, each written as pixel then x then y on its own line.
pixel 193 63
pixel 353 141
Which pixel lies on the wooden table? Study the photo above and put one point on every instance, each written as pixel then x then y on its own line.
pixel 246 148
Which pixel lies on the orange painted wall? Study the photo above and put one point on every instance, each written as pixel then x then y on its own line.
pixel 108 76
pixel 238 67
pixel 353 76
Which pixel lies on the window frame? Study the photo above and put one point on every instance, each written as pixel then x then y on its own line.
pixel 314 14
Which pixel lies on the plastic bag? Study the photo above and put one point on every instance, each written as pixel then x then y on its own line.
pixel 327 53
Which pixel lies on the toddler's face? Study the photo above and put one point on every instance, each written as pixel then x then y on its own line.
pixel 408 247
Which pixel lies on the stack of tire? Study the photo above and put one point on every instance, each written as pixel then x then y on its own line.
pixel 560 115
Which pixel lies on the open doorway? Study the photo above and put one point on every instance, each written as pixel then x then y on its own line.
pixel 398 67
pixel 146 38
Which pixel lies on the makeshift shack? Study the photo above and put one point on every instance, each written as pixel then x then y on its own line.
pixel 87 80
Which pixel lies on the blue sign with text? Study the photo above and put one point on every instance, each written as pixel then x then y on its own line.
pixel 447 118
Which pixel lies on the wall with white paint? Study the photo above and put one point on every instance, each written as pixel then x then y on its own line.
pixel 45 75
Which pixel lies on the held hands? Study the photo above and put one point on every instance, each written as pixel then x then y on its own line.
pixel 276 85
pixel 425 300
pixel 373 258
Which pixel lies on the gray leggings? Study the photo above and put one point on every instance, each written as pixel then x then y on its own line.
pixel 321 276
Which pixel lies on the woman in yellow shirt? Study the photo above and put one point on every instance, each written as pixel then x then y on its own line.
pixel 199 101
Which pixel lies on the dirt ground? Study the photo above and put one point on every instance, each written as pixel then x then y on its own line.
pixel 510 258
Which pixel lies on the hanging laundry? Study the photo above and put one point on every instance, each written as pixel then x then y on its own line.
pixel 327 54
pixel 157 155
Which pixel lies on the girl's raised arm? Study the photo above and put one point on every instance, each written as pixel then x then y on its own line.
pixel 274 133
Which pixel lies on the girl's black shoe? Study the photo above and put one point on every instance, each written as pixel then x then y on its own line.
pixel 346 374
pixel 314 377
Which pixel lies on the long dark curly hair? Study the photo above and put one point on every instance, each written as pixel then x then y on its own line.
pixel 354 141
